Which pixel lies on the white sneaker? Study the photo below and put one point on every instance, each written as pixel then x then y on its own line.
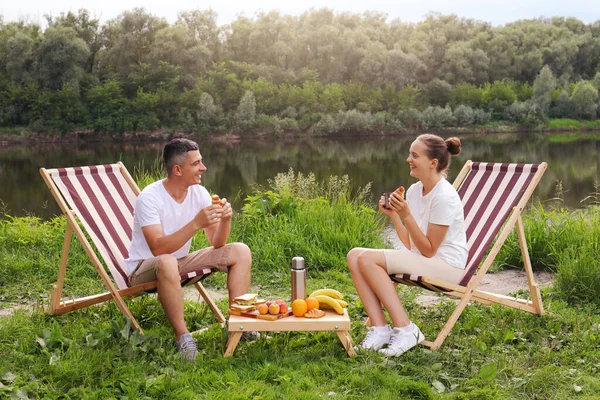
pixel 376 338
pixel 402 341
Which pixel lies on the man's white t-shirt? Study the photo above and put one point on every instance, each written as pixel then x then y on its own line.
pixel 441 206
pixel 155 206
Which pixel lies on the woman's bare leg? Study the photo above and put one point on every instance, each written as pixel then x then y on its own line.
pixel 372 267
pixel 367 296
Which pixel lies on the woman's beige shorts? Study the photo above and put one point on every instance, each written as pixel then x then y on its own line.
pixel 408 262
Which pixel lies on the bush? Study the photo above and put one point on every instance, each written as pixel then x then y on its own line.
pixel 464 115
pixel 480 117
pixel 355 121
pixel 516 112
pixel 578 265
pixel 326 126
pixel 437 117
pixel 411 118
pixel 304 217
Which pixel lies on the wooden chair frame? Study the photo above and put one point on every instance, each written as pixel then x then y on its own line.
pixel 58 305
pixel 470 291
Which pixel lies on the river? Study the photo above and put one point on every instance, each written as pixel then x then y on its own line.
pixel 234 167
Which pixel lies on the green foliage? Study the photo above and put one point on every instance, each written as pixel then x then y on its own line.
pixel 146 74
pixel 245 116
pixel 464 115
pixel 493 352
pixel 303 217
pixel 583 100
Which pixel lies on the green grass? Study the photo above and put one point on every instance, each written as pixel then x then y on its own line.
pixel 492 352
pixel 564 123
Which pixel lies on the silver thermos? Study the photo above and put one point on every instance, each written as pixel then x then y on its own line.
pixel 298 279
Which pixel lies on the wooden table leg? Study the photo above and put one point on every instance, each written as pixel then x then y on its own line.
pixel 232 343
pixel 346 342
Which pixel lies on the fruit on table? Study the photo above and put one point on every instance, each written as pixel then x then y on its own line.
pixel 327 292
pixel 328 307
pixel 274 309
pixel 299 307
pixel 283 308
pixel 314 313
pixel 311 303
pixel 330 301
pixel 263 309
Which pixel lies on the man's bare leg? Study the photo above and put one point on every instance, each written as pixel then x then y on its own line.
pixel 170 293
pixel 240 262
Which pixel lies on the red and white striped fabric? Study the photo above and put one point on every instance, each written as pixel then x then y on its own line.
pixel 103 201
pixel 488 193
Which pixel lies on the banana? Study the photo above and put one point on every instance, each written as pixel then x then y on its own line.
pixel 330 302
pixel 327 292
pixel 328 307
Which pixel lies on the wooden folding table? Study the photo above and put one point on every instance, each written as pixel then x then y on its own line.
pixel 340 324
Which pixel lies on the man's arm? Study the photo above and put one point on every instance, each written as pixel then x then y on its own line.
pixel 161 244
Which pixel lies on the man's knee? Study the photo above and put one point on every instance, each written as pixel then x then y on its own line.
pixel 167 266
pixel 240 254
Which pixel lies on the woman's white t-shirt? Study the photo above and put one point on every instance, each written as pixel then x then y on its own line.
pixel 155 206
pixel 441 206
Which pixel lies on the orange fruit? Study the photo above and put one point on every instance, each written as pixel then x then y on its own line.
pixel 311 303
pixel 299 308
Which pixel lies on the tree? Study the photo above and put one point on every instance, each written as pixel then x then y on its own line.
pixel 202 28
pixel 88 29
pixel 583 100
pixel 129 40
pixel 437 92
pixel 403 69
pixel 173 45
pixel 245 115
pixel 60 58
pixel 543 86
pixel 20 58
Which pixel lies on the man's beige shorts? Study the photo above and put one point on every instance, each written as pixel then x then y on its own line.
pixel 146 270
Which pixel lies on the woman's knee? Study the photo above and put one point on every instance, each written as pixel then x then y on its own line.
pixel 369 259
pixel 351 259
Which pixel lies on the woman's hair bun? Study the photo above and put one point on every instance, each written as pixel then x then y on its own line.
pixel 453 145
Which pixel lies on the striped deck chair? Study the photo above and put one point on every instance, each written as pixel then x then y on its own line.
pixel 101 198
pixel 493 197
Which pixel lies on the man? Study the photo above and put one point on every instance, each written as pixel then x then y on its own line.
pixel 167 214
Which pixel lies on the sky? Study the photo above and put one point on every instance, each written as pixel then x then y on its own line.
pixel 496 12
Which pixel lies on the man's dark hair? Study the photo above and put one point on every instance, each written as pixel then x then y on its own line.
pixel 175 151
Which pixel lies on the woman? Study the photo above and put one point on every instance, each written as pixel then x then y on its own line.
pixel 430 225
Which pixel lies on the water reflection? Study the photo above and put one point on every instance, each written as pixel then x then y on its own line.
pixel 234 166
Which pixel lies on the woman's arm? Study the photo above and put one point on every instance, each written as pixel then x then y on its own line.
pixel 426 244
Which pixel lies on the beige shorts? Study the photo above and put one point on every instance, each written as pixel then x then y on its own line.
pixel 408 262
pixel 146 270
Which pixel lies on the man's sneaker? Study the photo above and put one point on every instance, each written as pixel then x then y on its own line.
pixel 376 337
pixel 187 347
pixel 403 340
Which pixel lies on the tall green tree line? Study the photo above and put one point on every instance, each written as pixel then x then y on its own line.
pixel 320 70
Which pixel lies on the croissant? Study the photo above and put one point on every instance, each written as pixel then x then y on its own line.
pixel 314 313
